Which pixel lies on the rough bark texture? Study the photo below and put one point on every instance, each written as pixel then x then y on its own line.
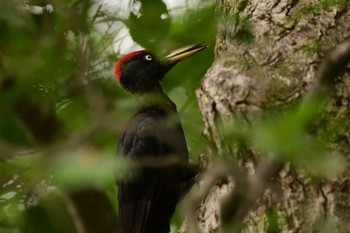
pixel 267 55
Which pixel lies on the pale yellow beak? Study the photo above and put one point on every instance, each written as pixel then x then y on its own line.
pixel 179 54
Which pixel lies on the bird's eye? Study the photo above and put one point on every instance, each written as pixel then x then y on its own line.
pixel 148 57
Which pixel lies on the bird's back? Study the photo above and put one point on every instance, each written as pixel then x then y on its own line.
pixel 152 137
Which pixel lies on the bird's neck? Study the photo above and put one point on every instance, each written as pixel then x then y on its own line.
pixel 155 99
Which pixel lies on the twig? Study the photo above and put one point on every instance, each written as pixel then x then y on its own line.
pixel 246 193
pixel 332 66
pixel 210 178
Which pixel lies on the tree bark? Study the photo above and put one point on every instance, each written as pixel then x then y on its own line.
pixel 268 54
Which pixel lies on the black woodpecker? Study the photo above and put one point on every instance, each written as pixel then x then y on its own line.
pixel 152 138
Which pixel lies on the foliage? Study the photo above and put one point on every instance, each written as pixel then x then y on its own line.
pixel 61 108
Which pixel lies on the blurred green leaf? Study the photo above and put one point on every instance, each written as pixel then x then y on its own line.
pixel 74 113
pixel 286 134
pixel 287 137
pixel 194 26
pixel 148 22
pixel 82 169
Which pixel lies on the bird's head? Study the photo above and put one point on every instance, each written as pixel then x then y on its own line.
pixel 141 71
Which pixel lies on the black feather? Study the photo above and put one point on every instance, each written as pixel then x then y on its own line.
pixel 148 200
pixel 153 138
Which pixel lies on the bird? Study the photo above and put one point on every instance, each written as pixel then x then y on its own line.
pixel 152 138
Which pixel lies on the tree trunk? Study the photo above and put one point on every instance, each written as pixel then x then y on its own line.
pixel 267 58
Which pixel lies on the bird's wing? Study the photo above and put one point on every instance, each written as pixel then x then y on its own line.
pixel 141 197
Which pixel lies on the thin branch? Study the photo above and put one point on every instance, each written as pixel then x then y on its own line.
pixel 92 212
pixel 42 124
pixel 332 66
pixel 246 193
pixel 212 175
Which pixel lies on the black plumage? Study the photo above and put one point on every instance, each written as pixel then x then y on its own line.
pixel 153 138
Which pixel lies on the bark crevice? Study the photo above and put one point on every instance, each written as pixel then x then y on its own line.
pixel 268 56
